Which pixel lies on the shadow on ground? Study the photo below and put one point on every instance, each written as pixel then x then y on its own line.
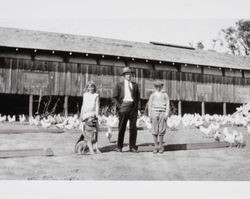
pixel 146 147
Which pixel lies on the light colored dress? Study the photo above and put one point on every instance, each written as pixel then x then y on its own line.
pixel 90 105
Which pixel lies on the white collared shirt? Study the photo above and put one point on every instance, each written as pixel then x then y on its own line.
pixel 127 94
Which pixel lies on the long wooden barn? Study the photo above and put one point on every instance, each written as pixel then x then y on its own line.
pixel 36 63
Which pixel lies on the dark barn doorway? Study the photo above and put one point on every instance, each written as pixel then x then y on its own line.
pixel 12 104
pixel 46 105
pixel 231 107
pixel 213 108
pixel 74 105
pixel 191 107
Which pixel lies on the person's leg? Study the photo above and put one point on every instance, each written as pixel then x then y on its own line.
pixel 162 129
pixel 95 141
pixel 123 119
pixel 155 131
pixel 132 130
pixel 161 147
pixel 90 146
pixel 95 145
pixel 155 143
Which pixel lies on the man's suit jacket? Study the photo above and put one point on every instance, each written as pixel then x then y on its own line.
pixel 119 92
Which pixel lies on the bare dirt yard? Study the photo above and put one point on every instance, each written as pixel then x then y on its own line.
pixel 222 164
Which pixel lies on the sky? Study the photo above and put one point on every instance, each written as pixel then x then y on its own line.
pixel 180 22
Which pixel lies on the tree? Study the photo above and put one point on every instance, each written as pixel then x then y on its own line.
pixel 236 38
pixel 200 45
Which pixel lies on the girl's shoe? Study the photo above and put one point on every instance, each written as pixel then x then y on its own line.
pixel 155 150
pixel 161 150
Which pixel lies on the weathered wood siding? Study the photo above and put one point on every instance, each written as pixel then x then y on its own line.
pixel 190 69
pixel 233 73
pixel 246 74
pixel 25 76
pixel 212 71
pixel 164 67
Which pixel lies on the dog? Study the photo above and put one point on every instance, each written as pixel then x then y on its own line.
pixel 89 137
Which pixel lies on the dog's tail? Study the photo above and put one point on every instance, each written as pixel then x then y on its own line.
pixel 80 147
pixel 81 138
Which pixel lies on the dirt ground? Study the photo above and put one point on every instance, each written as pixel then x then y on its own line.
pixel 224 164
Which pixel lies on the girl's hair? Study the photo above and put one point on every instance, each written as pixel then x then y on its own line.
pixel 90 83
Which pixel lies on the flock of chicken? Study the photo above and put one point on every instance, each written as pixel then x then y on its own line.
pixel 215 126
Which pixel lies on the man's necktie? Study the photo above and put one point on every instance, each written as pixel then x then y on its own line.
pixel 130 87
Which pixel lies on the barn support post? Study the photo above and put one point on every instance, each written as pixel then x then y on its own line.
pixel 203 108
pixel 66 99
pixel 179 108
pixel 224 108
pixel 30 106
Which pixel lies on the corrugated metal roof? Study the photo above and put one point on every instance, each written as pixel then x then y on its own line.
pixel 11 37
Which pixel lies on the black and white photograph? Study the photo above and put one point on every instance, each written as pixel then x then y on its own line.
pixel 125 91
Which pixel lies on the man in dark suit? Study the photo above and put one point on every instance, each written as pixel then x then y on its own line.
pixel 127 96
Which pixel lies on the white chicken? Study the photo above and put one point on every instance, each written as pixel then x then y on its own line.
pixel 60 125
pixel 52 119
pixel 218 136
pixel 22 118
pixel 243 121
pixel 11 119
pixel 198 123
pixel 237 120
pixel 228 137
pixel 69 126
pixel 214 127
pixel 45 123
pixel 185 122
pixel 239 140
pixel 109 134
pixel 71 122
pixel 170 123
pixel 59 119
pixel 147 122
pixel 205 131
pixel 3 118
pixel 76 123
pixel 102 119
pixel 34 121
pixel 173 122
pixel 112 121
pixel 139 121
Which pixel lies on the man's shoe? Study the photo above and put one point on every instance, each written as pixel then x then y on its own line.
pixel 118 150
pixel 134 150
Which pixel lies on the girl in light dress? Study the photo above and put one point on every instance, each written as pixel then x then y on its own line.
pixel 91 102
pixel 89 114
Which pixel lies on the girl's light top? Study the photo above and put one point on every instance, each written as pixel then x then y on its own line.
pixel 90 105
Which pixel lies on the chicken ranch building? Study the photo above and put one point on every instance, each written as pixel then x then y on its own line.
pixel 35 64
